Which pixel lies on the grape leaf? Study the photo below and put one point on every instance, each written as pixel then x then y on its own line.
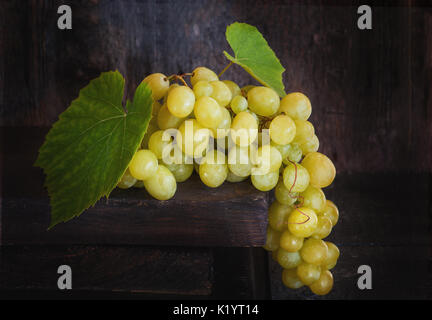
pixel 253 53
pixel 89 148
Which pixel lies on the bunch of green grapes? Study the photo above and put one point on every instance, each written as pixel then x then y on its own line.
pixel 228 133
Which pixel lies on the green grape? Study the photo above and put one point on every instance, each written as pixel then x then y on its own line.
pixel 171 87
pixel 266 159
pixel 126 181
pixel 265 182
pixel 239 161
pixel 221 93
pixel 208 112
pixel 203 73
pixel 321 169
pixel 181 101
pixel 282 129
pixel 331 212
pixel 313 198
pixel 332 256
pixel 290 279
pixel 295 177
pixel 308 273
pixel 294 155
pixel 323 229
pixel 213 170
pixel 283 195
pixel 272 240
pixel 234 178
pixel 158 143
pixel 152 128
pixel 246 89
pixel 224 126
pixel 278 215
pixel 181 171
pixel 290 242
pixel 302 222
pixel 287 259
pixel 310 145
pixel 314 251
pixel 162 185
pixel 263 139
pixel 202 89
pixel 254 115
pixel 263 101
pixel 304 131
pixel 139 184
pixel 284 150
pixel 234 88
pixel 158 84
pixel 244 129
pixel 239 104
pixel 296 105
pixel 166 120
pixel 143 165
pixel 193 139
pixel 324 284
pixel 155 108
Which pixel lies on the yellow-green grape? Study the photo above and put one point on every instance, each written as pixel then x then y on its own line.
pixel 158 84
pixel 323 285
pixel 234 178
pixel 234 88
pixel 246 89
pixel 181 171
pixel 158 143
pixel 296 105
pixel 278 215
pixel 239 104
pixel 126 181
pixel 323 229
pixel 263 101
pixel 266 159
pixel 332 256
pixel 265 182
pixel 254 115
pixel 313 198
pixel 208 112
pixel 202 89
pixel 282 129
pixel 308 273
pixel 304 131
pixel 302 222
pixel 294 155
pixel 213 170
pixel 239 161
pixel 152 128
pixel 331 212
pixel 143 165
pixel 314 251
pixel 290 279
pixel 264 139
pixel 284 149
pixel 171 87
pixel 244 129
pixel 274 255
pixel 203 73
pixel 162 185
pixel 283 195
pixel 224 126
pixel 181 101
pixel 272 239
pixel 290 242
pixel 192 138
pixel 167 120
pixel 287 259
pixel 295 177
pixel 155 108
pixel 139 184
pixel 321 169
pixel 221 93
pixel 310 145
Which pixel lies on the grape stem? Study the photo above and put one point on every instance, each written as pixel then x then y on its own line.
pixel 180 77
pixel 225 69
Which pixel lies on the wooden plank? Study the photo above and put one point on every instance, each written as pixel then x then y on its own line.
pixel 152 271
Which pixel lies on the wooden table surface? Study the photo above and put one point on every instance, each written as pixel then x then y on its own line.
pixel 370 93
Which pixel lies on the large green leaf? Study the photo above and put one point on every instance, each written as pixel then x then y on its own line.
pixel 89 148
pixel 254 54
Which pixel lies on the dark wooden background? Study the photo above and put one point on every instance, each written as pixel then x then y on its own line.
pixel 371 109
